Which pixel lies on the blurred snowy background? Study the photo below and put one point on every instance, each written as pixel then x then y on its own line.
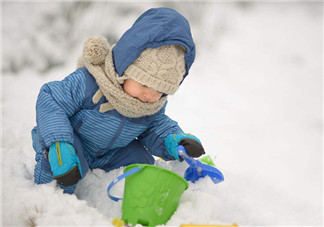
pixel 254 96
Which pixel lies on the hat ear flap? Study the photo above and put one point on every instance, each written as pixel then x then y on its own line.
pixel 96 49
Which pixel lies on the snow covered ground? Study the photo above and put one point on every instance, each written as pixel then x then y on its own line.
pixel 254 97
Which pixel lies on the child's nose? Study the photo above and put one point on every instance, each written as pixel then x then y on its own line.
pixel 149 93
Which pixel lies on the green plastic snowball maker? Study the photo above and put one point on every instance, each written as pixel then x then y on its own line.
pixel 151 194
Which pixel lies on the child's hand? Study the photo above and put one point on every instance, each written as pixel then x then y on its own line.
pixel 191 143
pixel 64 163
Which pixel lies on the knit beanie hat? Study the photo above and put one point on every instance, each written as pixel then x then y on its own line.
pixel 160 68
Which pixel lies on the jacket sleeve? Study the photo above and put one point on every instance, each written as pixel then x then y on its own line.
pixel 154 137
pixel 56 102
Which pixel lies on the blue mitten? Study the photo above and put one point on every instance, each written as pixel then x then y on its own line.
pixel 191 143
pixel 64 163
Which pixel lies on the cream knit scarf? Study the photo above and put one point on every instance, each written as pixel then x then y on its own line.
pixel 97 58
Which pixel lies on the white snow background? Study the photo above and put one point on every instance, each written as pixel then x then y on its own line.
pixel 254 97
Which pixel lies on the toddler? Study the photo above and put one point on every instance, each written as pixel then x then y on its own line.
pixel 110 112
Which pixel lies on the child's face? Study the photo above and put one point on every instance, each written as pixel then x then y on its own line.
pixel 141 92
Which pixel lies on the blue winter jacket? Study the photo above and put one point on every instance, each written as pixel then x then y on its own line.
pixel 65 107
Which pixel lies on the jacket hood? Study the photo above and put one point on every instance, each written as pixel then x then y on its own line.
pixel 154 28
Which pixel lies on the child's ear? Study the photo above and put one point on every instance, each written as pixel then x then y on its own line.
pixel 96 49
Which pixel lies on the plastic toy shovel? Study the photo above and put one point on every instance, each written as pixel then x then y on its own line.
pixel 198 169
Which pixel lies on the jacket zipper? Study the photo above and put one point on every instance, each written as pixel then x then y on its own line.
pixel 117 134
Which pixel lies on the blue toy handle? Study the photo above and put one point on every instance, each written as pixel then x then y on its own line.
pixel 183 153
pixel 124 175
pixel 193 164
pixel 197 169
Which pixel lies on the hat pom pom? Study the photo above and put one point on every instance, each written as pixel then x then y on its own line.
pixel 96 49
